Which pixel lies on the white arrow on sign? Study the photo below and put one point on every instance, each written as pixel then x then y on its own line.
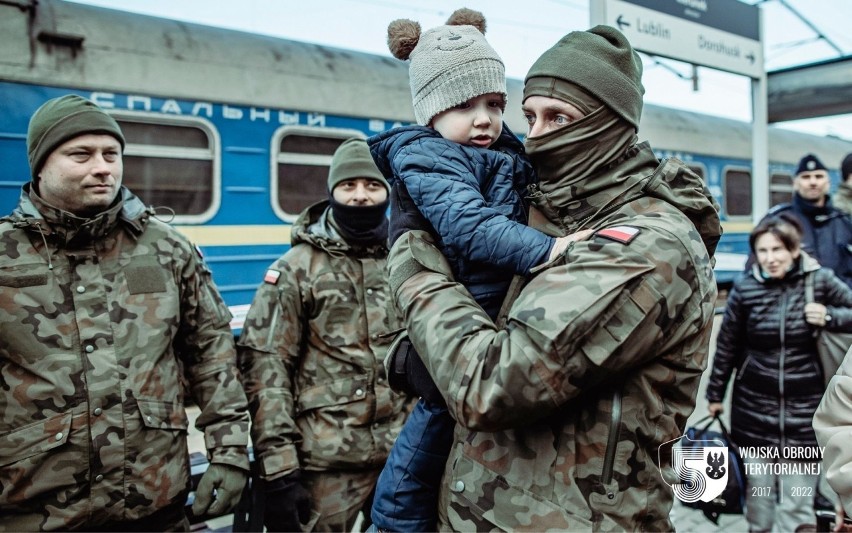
pixel 665 35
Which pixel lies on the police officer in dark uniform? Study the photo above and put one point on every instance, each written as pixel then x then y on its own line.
pixel 827 231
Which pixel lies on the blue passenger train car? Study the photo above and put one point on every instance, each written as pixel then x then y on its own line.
pixel 230 134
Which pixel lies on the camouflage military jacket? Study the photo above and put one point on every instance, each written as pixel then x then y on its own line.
pixel 311 355
pixel 101 321
pixel 842 198
pixel 561 412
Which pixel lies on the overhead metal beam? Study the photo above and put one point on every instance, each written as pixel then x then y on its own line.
pixel 809 91
pixel 812 26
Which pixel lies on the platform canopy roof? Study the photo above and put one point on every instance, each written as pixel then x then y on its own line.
pixel 809 91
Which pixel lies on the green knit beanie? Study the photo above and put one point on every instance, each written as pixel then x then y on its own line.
pixel 352 160
pixel 60 120
pixel 600 61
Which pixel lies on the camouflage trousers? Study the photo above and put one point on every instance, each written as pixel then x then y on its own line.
pixel 338 496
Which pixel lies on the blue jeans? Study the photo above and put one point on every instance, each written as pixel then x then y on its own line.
pixel 407 489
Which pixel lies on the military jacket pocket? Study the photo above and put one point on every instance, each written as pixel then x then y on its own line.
pixel 40 464
pixel 492 500
pixel 162 415
pixel 621 320
pixel 24 289
pixel 335 299
pixel 338 392
pixel 20 276
pixel 35 438
pixel 159 469
pixel 334 420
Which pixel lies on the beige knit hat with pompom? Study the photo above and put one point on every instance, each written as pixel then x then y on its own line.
pixel 449 64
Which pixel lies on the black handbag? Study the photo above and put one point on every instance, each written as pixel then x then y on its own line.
pixel 732 498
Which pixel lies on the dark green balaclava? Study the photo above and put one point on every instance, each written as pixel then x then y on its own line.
pixel 602 62
pixel 597 72
pixel 61 119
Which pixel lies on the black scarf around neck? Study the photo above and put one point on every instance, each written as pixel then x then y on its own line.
pixel 811 209
pixel 363 225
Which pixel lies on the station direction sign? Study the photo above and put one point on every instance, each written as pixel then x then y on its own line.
pixel 721 34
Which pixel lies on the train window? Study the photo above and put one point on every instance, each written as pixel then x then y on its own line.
pixel 780 189
pixel 737 190
pixel 172 162
pixel 308 144
pixel 165 182
pixel 301 159
pixel 164 135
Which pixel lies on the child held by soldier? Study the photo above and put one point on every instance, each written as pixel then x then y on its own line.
pixel 467 174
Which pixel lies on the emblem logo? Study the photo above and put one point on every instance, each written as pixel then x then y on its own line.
pixel 702 468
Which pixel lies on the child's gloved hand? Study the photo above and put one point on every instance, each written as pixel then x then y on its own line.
pixel 404 215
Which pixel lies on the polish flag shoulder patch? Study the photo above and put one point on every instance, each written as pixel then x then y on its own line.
pixel 271 276
pixel 622 234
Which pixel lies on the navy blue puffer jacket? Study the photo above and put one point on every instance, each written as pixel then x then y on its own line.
pixel 764 338
pixel 473 197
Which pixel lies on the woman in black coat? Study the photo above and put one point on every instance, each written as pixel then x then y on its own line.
pixel 767 336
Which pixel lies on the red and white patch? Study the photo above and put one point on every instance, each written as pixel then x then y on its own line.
pixel 272 276
pixel 622 234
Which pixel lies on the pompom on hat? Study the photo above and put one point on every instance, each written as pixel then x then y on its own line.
pixel 60 120
pixel 809 163
pixel 450 64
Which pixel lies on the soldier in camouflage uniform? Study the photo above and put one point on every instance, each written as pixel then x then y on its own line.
pixel 561 410
pixel 842 198
pixel 104 313
pixel 311 351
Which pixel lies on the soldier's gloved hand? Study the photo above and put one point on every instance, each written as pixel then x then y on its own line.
pixel 228 483
pixel 404 215
pixel 407 373
pixel 288 504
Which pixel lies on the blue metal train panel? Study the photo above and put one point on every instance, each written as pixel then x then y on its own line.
pixel 230 134
pixel 245 231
